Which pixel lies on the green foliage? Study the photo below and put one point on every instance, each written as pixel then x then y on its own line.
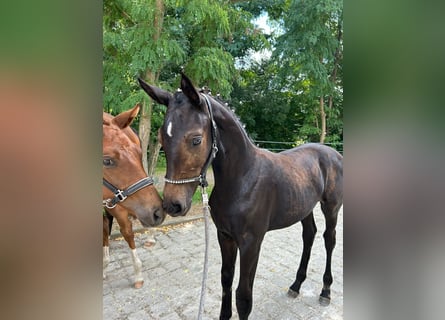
pixel 275 9
pixel 311 41
pixel 213 67
pixel 310 52
pixel 129 49
pixel 202 36
pixel 268 112
pixel 276 99
pixel 214 15
pixel 154 39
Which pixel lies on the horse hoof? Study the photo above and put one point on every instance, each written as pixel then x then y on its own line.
pixel 138 284
pixel 293 294
pixel 324 301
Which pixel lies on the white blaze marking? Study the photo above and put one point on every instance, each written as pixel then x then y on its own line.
pixel 169 129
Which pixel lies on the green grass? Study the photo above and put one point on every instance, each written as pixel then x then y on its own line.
pixel 197 198
pixel 160 170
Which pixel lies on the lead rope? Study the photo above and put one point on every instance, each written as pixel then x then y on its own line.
pixel 206 211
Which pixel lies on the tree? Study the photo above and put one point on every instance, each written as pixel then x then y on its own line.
pixel 153 39
pixel 269 111
pixel 311 50
pixel 135 45
pixel 297 95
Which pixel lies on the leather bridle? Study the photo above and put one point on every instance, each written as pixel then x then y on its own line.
pixel 121 195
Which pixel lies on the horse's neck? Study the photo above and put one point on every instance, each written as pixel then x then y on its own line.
pixel 236 151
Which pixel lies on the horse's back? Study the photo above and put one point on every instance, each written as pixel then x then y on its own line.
pixel 330 165
pixel 315 147
pixel 310 152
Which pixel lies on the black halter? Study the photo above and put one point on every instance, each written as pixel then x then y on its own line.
pixel 121 195
pixel 213 151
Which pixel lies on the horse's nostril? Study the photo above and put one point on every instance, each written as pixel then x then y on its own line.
pixel 173 208
pixel 158 216
pixel 176 208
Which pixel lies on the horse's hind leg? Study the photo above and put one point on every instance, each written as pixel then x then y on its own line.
pixel 331 212
pixel 107 223
pixel 309 231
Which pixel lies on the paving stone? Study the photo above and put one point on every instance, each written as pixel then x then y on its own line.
pixel 172 270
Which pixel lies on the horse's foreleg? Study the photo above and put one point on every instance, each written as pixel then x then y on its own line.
pixel 249 254
pixel 137 264
pixel 329 241
pixel 228 253
pixel 105 244
pixel 126 229
pixel 106 260
pixel 309 231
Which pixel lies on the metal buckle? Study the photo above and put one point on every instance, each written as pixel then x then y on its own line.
pixel 106 203
pixel 120 195
pixel 214 149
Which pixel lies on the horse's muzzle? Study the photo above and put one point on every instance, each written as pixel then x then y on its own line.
pixel 155 219
pixel 175 209
pixel 158 217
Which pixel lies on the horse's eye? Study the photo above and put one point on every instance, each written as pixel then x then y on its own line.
pixel 197 140
pixel 107 162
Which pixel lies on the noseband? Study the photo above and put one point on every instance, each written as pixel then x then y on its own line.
pixel 213 151
pixel 121 195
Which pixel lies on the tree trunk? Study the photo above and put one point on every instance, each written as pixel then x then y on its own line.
pixel 154 148
pixel 337 57
pixel 147 107
pixel 323 121
pixel 144 130
pixel 330 102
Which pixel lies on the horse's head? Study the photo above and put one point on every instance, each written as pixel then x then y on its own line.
pixel 186 138
pixel 122 168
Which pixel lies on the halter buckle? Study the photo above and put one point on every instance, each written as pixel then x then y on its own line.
pixel 214 149
pixel 106 203
pixel 120 195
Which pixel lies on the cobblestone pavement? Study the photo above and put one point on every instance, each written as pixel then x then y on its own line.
pixel 172 269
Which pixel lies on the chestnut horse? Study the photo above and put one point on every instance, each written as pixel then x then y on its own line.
pixel 126 188
pixel 255 190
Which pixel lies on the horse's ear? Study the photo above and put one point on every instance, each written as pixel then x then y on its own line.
pixel 105 120
pixel 189 90
pixel 125 118
pixel 157 94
